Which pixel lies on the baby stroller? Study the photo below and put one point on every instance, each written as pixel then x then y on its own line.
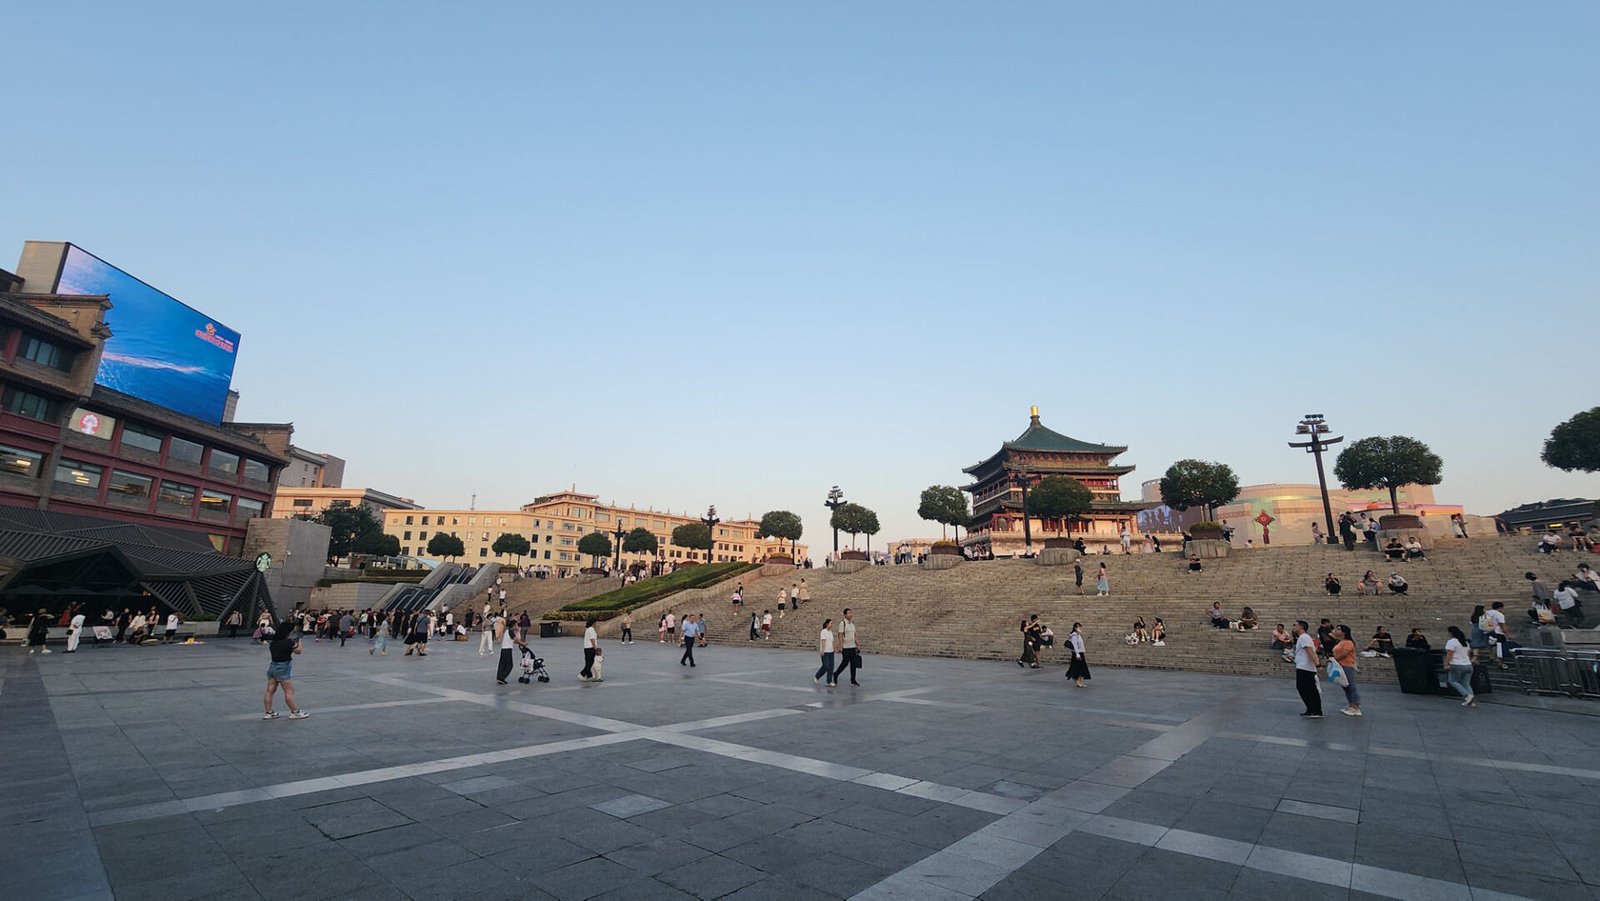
pixel 532 667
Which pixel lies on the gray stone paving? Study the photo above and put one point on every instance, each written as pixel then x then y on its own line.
pixel 135 773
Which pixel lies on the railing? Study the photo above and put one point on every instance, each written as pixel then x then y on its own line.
pixel 1566 671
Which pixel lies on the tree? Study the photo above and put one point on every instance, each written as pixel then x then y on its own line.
pixel 1059 497
pixel 1198 483
pixel 378 544
pixel 443 544
pixel 780 524
pixel 640 541
pixel 694 536
pixel 855 519
pixel 944 505
pixel 596 545
pixel 1574 445
pixel 349 523
pixel 511 543
pixel 1379 462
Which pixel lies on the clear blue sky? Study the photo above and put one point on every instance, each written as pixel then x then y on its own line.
pixel 503 248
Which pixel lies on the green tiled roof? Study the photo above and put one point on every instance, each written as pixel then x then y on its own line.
pixel 1039 438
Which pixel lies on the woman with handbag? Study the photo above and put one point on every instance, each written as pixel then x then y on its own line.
pixel 1344 652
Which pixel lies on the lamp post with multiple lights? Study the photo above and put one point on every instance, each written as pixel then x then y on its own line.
pixel 711 520
pixel 835 501
pixel 618 534
pixel 1314 426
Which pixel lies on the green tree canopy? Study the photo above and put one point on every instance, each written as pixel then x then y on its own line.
pixel 1574 445
pixel 780 524
pixel 443 544
pixel 349 522
pixel 1059 497
pixel 640 541
pixel 1379 462
pixel 596 545
pixel 510 543
pixel 695 536
pixel 855 519
pixel 1199 483
pixel 378 544
pixel 944 505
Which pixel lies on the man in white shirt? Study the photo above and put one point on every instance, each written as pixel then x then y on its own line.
pixel 485 632
pixel 172 626
pixel 1127 540
pixel 75 632
pixel 591 647
pixel 848 646
pixel 1305 670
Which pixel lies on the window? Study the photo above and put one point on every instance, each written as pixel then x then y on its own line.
pixel 454 521
pixel 424 520
pixel 409 522
pixel 547 555
pixel 502 520
pixel 215 502
pixel 406 536
pixel 256 471
pixel 223 463
pixel 302 502
pixel 20 462
pixel 422 536
pixel 483 552
pixel 251 508
pixel 185 451
pixel 176 494
pixel 567 526
pixel 473 520
pixel 129 485
pixel 24 403
pixel 86 475
pixel 46 354
pixel 340 503
pixel 485 537
pixel 549 538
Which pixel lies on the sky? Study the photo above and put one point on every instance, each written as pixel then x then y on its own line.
pixel 683 254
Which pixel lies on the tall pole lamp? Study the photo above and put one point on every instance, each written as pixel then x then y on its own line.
pixel 711 520
pixel 619 534
pixel 1314 427
pixel 1023 480
pixel 835 501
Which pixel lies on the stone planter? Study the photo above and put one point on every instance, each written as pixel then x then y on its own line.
pixel 776 569
pixel 591 571
pixel 780 558
pixel 1395 522
pixel 946 550
pixel 852 555
pixel 941 561
pixel 1206 535
pixel 1056 556
pixel 847 566
pixel 1205 548
pixel 1059 542
pixel 1421 533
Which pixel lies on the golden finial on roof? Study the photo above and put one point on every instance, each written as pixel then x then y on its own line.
pixel 1033 413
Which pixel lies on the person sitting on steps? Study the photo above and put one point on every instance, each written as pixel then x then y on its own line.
pixel 1158 634
pixel 1194 564
pixel 1331 584
pixel 1397 583
pixel 1394 550
pixel 1246 621
pixel 1140 632
pixel 1414 549
pixel 1219 620
pixel 1369 584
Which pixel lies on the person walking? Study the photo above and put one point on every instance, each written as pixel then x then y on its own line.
pixel 172 628
pixel 420 628
pixel 280 672
pixel 38 632
pixel 1077 576
pixel 486 641
pixel 661 630
pixel 794 596
pixel 691 632
pixel 1127 540
pixel 1305 670
pixel 627 627
pixel 766 625
pixel 1458 665
pixel 235 620
pixel 1102 583
pixel 849 647
pixel 825 648
pixel 380 634
pixel 783 599
pixel 1078 669
pixel 1344 653
pixel 506 639
pixel 591 644
pixel 804 595
pixel 75 631
pixel 347 627
pixel 755 626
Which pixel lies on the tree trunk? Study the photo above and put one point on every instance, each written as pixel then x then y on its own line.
pixel 1394 500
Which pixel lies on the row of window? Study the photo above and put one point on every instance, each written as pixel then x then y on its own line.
pixel 488 520
pixel 126 486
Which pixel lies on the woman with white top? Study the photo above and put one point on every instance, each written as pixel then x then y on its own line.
pixel 1458 659
pixel 591 647
pixel 1078 670
pixel 505 639
pixel 825 648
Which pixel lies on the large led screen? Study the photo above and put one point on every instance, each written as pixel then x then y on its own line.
pixel 160 350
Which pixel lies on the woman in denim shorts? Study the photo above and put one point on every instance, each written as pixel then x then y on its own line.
pixel 280 672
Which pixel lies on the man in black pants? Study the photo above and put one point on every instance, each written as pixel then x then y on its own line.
pixel 691 631
pixel 1305 670
pixel 848 647
pixel 504 641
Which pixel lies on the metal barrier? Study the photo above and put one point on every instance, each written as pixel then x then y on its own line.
pixel 1570 672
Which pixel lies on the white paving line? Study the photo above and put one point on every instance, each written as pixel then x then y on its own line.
pixel 376 705
pixel 1486 762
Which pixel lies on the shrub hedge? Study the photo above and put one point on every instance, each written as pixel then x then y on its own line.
pixel 645 591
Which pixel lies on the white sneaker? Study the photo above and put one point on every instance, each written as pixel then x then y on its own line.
pixel 45 651
pixel 298 715
pixel 1469 702
pixel 271 716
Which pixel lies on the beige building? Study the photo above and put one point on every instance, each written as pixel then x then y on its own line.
pixel 553 524
pixel 305 502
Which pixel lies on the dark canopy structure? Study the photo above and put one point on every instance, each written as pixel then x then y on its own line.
pixel 51 560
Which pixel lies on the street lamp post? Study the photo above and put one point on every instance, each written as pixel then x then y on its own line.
pixel 619 533
pixel 1023 480
pixel 1314 426
pixel 835 501
pixel 711 520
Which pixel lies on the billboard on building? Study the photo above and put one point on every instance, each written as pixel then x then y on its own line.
pixel 160 350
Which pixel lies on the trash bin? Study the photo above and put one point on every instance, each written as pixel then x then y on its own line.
pixel 1417 671
pixel 549 628
pixel 1480 680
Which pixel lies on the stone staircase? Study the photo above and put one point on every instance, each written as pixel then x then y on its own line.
pixel 973 611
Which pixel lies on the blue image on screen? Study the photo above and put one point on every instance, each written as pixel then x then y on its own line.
pixel 160 349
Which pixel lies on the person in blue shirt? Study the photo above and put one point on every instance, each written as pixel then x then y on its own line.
pixel 691 631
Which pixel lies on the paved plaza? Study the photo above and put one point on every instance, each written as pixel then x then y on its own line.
pixel 147 773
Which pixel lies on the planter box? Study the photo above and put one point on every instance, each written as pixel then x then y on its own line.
pixel 776 569
pixel 1395 522
pixel 1056 556
pixel 941 561
pixel 785 559
pixel 848 566
pixel 1059 542
pixel 1206 534
pixel 1206 548
pixel 852 555
pixel 945 550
